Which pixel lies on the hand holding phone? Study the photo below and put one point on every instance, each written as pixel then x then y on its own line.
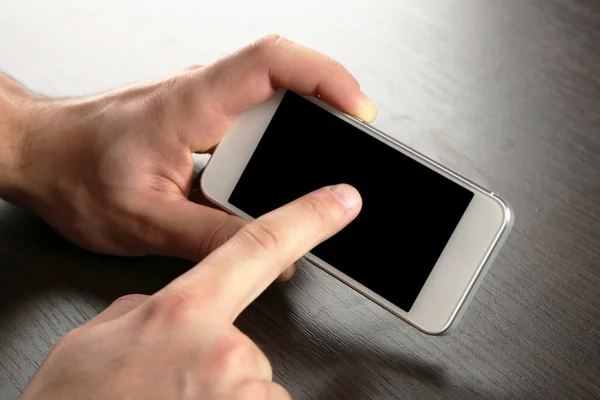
pixel 135 143
pixel 425 235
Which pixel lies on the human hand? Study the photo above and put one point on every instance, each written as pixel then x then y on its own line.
pixel 112 172
pixel 181 343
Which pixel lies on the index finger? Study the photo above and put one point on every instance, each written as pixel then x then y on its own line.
pixel 235 274
pixel 251 75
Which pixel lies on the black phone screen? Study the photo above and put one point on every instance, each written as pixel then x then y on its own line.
pixel 409 211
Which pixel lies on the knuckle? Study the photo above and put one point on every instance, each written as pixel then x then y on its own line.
pixel 133 298
pixel 193 67
pixel 126 303
pixel 232 353
pixel 316 209
pixel 218 240
pixel 173 306
pixel 269 40
pixel 262 235
pixel 221 235
pixel 265 45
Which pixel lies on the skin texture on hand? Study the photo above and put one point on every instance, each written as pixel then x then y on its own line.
pixel 112 172
pixel 14 100
pixel 181 343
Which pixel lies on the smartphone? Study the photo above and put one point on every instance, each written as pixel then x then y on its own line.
pixel 425 235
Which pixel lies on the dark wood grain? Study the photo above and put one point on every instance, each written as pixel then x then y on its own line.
pixel 505 92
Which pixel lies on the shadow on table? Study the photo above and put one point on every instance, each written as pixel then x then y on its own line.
pixel 321 360
pixel 343 367
pixel 37 264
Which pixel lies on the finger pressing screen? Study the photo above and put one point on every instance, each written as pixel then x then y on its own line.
pixel 235 274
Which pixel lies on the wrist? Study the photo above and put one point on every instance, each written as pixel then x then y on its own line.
pixel 15 125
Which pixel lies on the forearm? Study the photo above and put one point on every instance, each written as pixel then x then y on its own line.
pixel 14 123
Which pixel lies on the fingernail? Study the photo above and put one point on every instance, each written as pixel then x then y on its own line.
pixel 367 110
pixel 346 195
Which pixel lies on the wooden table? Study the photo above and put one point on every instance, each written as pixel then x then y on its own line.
pixel 505 92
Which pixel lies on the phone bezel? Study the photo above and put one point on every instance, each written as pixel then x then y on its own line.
pixel 464 260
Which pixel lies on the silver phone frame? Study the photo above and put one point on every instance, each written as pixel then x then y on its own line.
pixel 481 269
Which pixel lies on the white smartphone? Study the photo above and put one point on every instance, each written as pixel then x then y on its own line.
pixel 425 235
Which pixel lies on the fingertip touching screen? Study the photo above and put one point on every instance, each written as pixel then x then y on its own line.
pixel 409 211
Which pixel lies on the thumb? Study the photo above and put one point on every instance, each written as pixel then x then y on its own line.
pixel 192 231
pixel 118 308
